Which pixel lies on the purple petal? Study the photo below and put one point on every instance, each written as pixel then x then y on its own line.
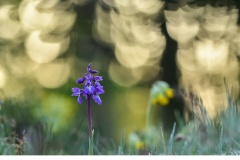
pixel 99 91
pixel 85 95
pixel 88 67
pixel 80 80
pixel 76 90
pixel 88 77
pixel 97 99
pixel 88 83
pixel 89 89
pixel 97 84
pixel 79 100
pixel 98 88
pixel 98 78
pixel 75 94
pixel 93 71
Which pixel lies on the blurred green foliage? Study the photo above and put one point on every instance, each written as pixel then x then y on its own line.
pixel 219 136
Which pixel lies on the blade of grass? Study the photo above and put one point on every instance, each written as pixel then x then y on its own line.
pixel 221 140
pixel 232 150
pixel 164 145
pixel 188 144
pixel 170 145
pixel 236 142
pixel 121 148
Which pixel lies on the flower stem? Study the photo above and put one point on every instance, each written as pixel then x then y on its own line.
pixel 90 150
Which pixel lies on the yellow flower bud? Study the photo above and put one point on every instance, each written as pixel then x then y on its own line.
pixel 170 93
pixel 139 145
pixel 163 100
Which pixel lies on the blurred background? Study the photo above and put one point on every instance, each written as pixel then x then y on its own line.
pixel 46 45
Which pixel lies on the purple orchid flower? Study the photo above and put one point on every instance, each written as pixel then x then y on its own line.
pixel 92 88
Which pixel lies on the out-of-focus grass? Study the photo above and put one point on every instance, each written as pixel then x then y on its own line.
pixel 219 136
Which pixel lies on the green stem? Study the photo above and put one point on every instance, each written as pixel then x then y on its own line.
pixel 149 114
